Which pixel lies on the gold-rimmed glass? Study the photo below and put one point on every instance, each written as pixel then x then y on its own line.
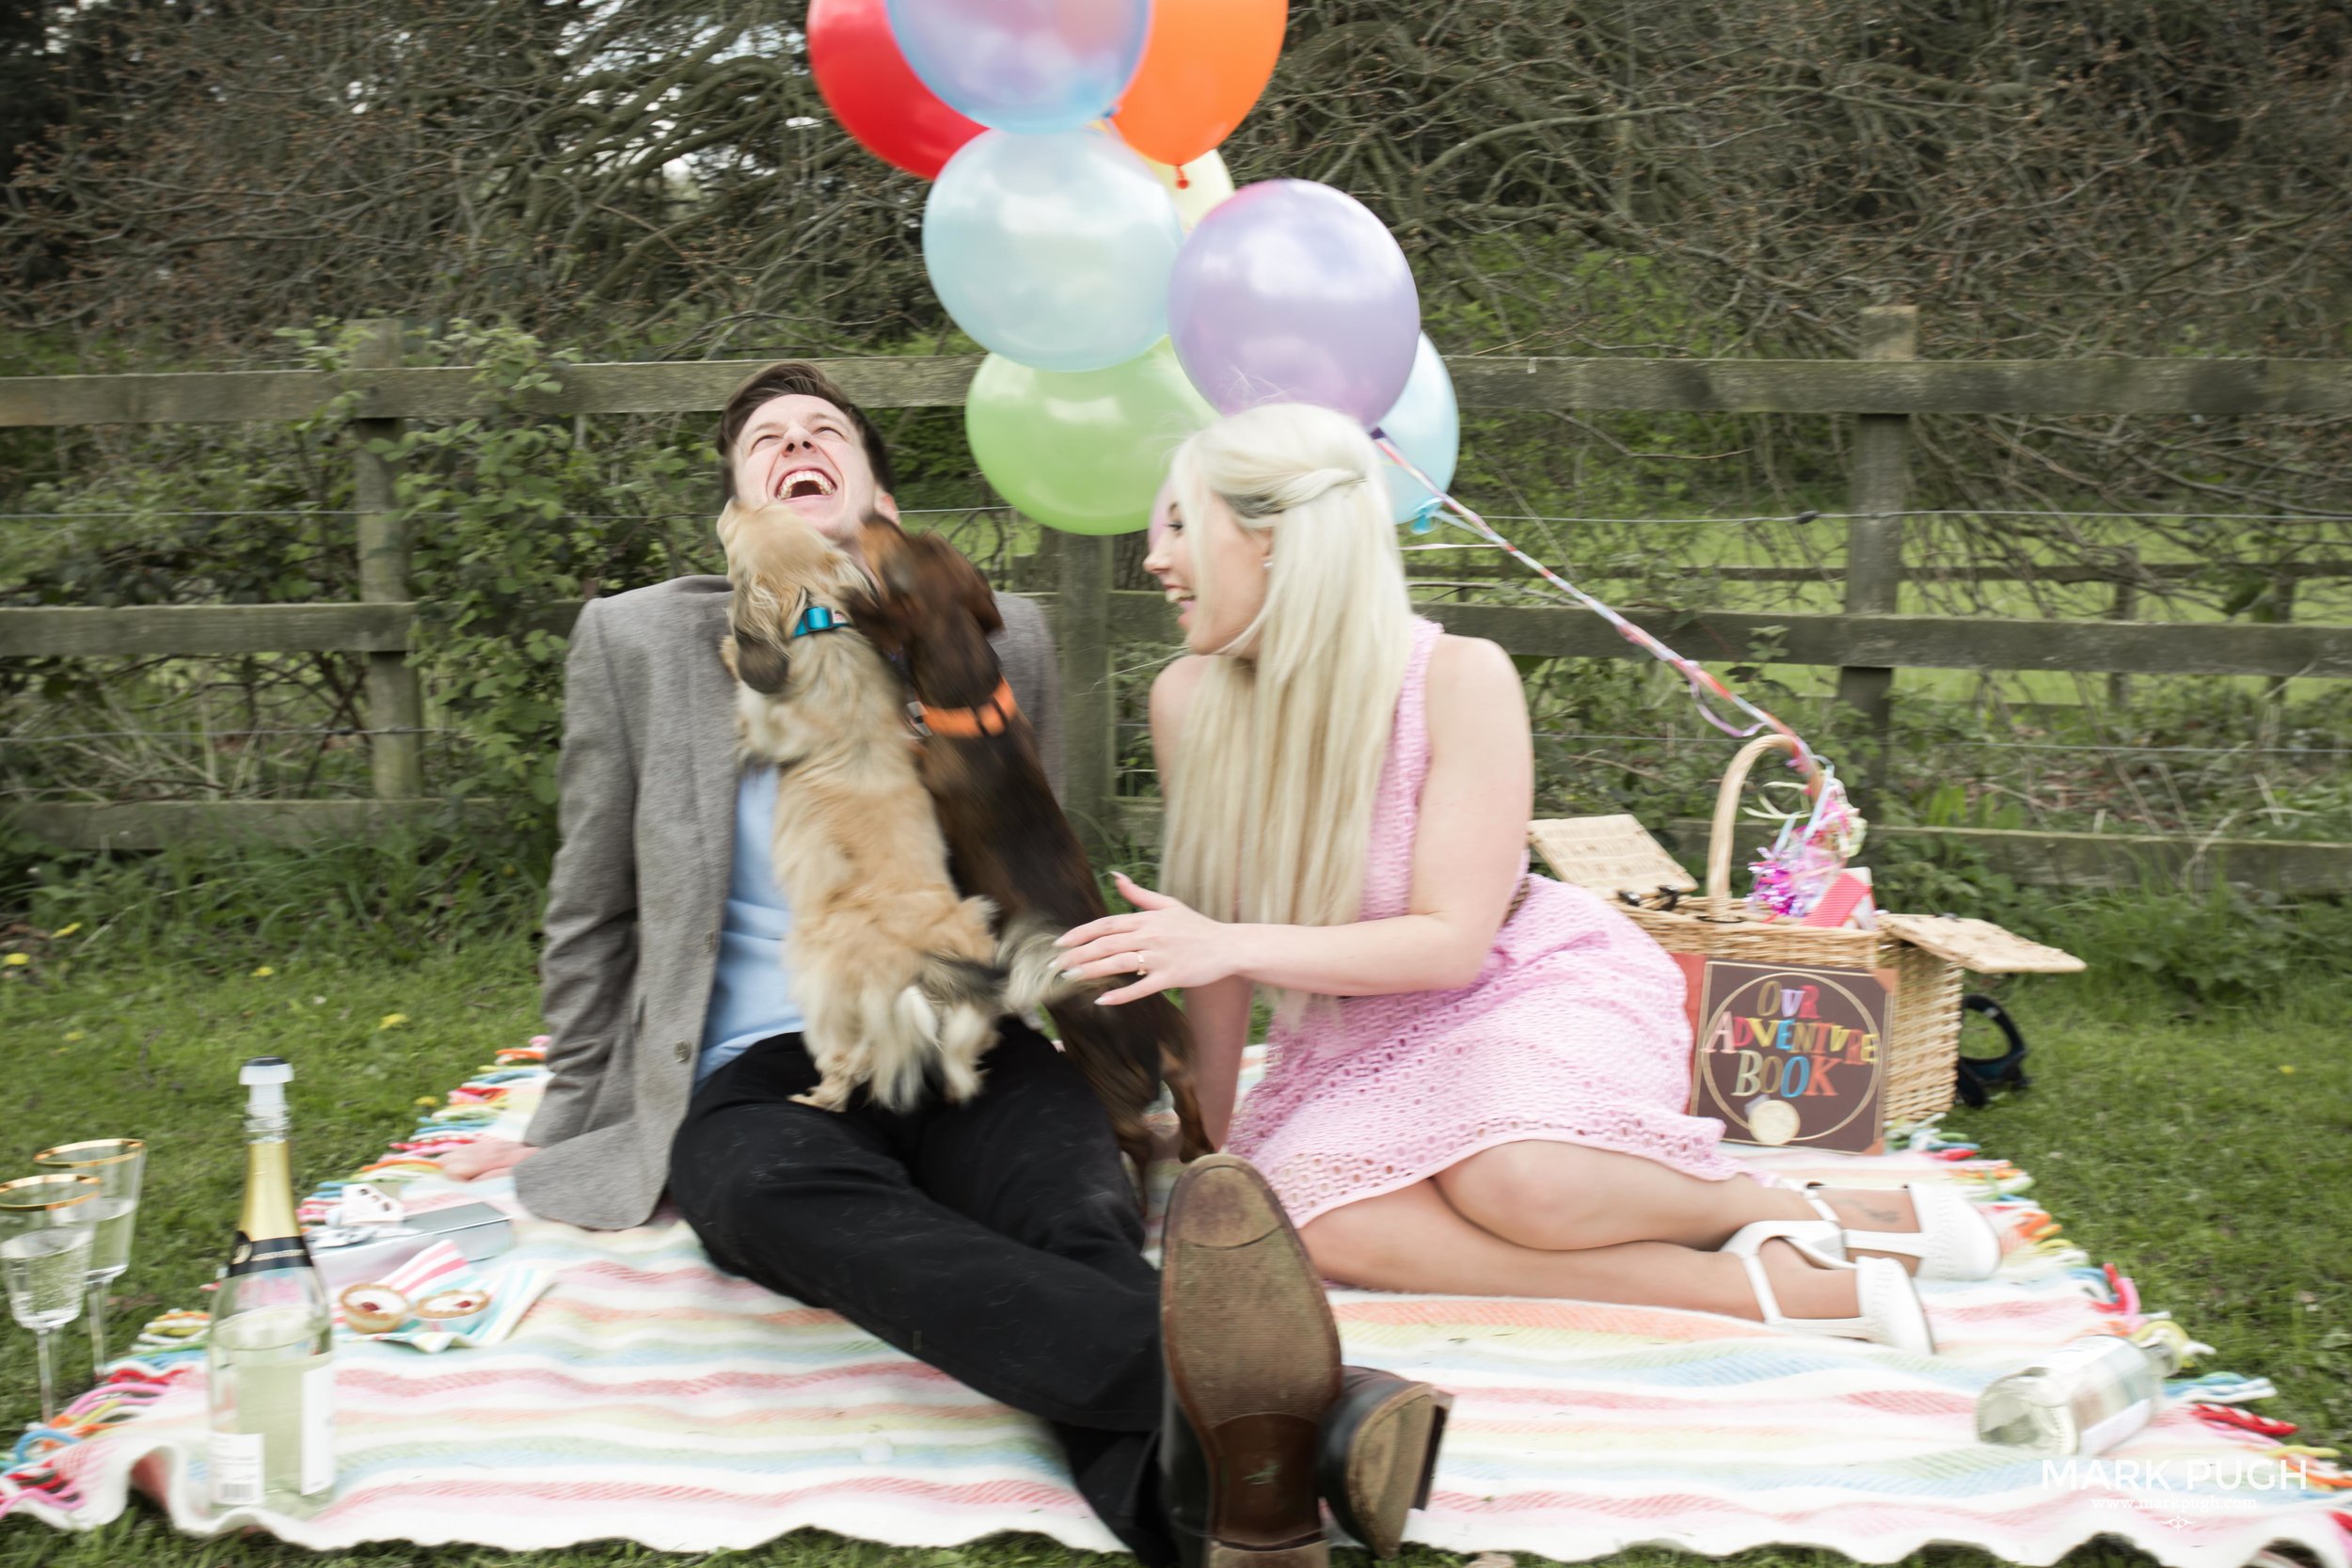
pixel 119 1165
pixel 44 1261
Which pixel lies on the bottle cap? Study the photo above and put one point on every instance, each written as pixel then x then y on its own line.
pixel 265 1079
pixel 2166 1342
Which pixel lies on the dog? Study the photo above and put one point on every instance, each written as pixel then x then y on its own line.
pixel 895 971
pixel 1007 836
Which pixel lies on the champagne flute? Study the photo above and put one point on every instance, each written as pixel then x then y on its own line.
pixel 44 1261
pixel 119 1165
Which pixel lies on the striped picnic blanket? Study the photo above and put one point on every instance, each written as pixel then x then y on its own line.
pixel 647 1396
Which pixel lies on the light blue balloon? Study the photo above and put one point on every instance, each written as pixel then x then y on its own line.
pixel 1030 66
pixel 1054 251
pixel 1426 426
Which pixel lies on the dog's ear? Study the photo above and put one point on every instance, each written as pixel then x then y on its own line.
pixel 760 664
pixel 982 601
pixel 972 589
pixel 879 537
pixel 952 570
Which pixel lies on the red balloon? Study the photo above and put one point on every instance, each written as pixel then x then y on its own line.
pixel 874 93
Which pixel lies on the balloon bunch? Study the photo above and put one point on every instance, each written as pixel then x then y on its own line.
pixel 1082 228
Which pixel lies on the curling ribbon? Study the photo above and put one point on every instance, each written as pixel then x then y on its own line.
pixel 1701 683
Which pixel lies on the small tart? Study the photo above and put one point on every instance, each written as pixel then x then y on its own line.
pixel 374 1308
pixel 461 1302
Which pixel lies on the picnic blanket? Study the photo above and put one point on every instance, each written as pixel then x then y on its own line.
pixel 647 1396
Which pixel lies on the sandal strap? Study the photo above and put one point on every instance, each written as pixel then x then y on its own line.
pixel 1806 1236
pixel 1911 1243
pixel 1774 1318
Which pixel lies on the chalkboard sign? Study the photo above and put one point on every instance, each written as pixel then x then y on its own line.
pixel 1787 1056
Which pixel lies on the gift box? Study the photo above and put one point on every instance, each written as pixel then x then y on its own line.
pixel 476 1229
pixel 348 1254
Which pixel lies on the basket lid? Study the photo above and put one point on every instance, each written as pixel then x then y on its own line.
pixel 1607 855
pixel 1978 944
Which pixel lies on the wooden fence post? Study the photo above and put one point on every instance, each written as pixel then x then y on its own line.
pixel 1874 535
pixel 1090 709
pixel 2125 608
pixel 2272 728
pixel 395 705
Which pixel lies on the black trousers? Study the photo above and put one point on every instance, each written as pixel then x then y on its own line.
pixel 996 1239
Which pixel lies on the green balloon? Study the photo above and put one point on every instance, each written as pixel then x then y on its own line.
pixel 1082 450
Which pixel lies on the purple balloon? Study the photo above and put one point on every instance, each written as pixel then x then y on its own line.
pixel 1291 291
pixel 1028 66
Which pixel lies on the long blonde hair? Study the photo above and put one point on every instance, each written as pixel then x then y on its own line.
pixel 1271 786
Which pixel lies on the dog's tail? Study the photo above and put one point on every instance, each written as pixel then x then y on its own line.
pixel 965 997
pixel 1034 980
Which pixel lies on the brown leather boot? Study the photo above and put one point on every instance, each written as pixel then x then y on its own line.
pixel 1253 1365
pixel 1379 1453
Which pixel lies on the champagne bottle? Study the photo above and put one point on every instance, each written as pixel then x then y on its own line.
pixel 270 1350
pixel 2084 1397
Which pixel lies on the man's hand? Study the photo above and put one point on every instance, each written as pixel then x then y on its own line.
pixel 483 1157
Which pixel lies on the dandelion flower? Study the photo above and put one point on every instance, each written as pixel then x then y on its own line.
pixel 72 1034
pixel 2284 1068
pixel 16 960
pixel 427 1102
pixel 263 972
pixel 392 1020
pixel 66 930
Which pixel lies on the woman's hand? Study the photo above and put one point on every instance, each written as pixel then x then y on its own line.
pixel 1164 944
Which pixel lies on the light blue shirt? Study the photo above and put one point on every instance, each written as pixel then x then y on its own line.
pixel 750 991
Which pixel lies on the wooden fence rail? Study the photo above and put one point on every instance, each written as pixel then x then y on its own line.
pixel 1882 391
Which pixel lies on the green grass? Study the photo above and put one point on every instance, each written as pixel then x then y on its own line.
pixel 2174 1147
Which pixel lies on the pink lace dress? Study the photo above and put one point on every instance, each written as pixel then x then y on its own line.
pixel 1572 1032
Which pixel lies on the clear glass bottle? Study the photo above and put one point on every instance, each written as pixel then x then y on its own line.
pixel 2084 1397
pixel 271 1347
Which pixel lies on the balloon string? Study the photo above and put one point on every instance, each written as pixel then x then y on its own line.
pixel 1701 683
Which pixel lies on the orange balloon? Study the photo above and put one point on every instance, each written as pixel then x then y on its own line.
pixel 1204 64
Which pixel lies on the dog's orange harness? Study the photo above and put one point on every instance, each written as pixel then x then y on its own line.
pixel 992 716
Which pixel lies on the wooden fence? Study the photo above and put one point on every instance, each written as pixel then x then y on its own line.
pixel 1882 391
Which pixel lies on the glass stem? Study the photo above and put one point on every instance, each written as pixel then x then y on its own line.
pixel 48 1376
pixel 95 1310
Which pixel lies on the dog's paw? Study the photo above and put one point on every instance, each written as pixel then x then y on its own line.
pixel 1032 967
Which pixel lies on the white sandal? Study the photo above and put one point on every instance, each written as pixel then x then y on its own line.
pixel 1954 1239
pixel 1890 1315
pixel 1825 1236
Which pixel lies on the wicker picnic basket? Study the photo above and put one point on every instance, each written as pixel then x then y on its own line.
pixel 1615 857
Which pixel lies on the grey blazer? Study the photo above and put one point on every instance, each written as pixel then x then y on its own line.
pixel 648 777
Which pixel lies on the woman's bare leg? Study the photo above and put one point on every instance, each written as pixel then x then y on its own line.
pixel 1414 1239
pixel 1558 1195
pixel 1874 1208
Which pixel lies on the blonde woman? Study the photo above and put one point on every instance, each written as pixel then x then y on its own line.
pixel 1477 1076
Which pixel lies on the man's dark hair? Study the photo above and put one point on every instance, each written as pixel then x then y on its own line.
pixel 781 380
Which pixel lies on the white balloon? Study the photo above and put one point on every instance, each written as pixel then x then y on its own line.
pixel 1053 251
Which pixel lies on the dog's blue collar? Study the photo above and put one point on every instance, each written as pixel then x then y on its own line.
pixel 817 618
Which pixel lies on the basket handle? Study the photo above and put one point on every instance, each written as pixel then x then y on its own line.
pixel 1727 815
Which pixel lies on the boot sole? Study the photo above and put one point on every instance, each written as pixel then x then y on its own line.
pixel 1253 1361
pixel 1380 1458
